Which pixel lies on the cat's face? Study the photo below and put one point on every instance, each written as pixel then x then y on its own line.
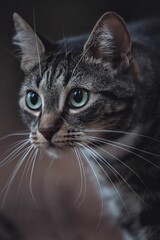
pixel 77 98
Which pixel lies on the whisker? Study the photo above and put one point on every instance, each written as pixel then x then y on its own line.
pixel 134 148
pixel 120 132
pixel 36 40
pixel 64 40
pixel 79 61
pixel 30 153
pixel 80 170
pixel 13 55
pixel 42 154
pixel 7 187
pixel 18 59
pixel 127 150
pixel 99 185
pixel 15 145
pixel 123 163
pixel 10 158
pixel 24 151
pixel 31 175
pixel 13 135
pixel 94 156
pixel 117 174
pixel 105 163
pixel 51 162
pixel 82 177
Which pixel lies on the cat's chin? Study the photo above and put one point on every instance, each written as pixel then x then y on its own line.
pixel 56 153
pixel 53 152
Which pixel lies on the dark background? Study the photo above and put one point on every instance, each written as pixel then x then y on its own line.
pixel 54 18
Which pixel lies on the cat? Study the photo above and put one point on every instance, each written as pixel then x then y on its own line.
pixel 98 97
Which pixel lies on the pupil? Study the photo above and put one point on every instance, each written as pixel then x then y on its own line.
pixel 78 95
pixel 34 98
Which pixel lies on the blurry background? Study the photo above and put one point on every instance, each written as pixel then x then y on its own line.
pixel 55 19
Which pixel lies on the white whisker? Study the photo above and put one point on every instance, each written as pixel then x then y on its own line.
pixel 123 163
pixel 10 158
pixel 31 175
pixel 134 148
pixel 19 60
pixel 120 132
pixel 13 135
pixel 37 48
pixel 94 155
pixel 79 61
pixel 82 177
pixel 116 144
pixel 99 185
pixel 7 187
pixel 64 41
pixel 33 160
pixel 117 173
pixel 15 145
pixel 30 152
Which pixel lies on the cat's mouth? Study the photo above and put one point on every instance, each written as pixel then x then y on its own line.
pixel 51 148
pixel 60 144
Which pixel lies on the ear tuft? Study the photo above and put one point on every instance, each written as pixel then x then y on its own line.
pixel 110 42
pixel 32 49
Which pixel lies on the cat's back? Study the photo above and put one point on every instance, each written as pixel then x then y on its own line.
pixel 147 32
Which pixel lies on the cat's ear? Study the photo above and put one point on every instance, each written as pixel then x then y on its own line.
pixel 32 49
pixel 110 42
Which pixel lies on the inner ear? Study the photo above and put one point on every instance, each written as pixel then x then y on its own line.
pixel 110 41
pixel 32 48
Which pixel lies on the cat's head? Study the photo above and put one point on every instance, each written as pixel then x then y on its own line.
pixel 76 91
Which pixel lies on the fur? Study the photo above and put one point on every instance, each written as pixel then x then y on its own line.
pixel 101 97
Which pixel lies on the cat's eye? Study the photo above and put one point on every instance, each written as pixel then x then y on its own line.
pixel 78 98
pixel 33 100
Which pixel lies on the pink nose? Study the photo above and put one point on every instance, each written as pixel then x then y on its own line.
pixel 47 133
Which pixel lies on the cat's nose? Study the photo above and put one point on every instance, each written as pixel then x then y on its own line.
pixel 47 133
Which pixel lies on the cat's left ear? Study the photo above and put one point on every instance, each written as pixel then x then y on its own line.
pixel 110 42
pixel 32 48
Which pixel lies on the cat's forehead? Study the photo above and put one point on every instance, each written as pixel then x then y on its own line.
pixel 68 70
pixel 55 74
pixel 61 71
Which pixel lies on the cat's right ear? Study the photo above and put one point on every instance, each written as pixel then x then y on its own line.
pixel 31 47
pixel 110 42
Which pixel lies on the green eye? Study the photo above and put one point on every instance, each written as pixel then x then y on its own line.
pixel 33 100
pixel 78 98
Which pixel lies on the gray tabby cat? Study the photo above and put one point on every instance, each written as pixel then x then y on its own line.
pixel 99 96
